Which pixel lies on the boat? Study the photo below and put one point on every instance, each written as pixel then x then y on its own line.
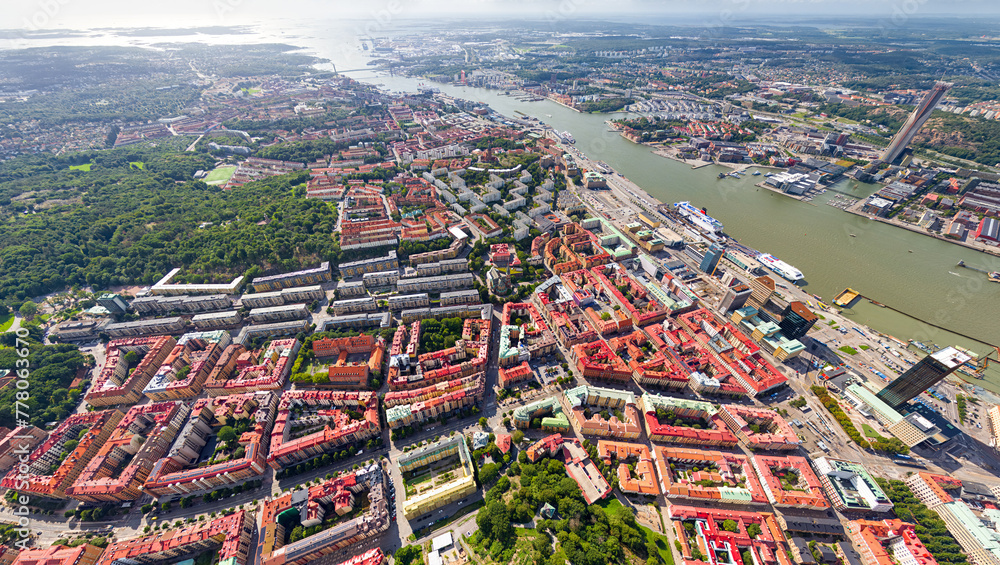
pixel 852 235
pixel 993 276
pixel 756 173
pixel 722 175
pixel 568 137
pixel 845 298
pixel 769 174
pixel 780 267
pixel 698 217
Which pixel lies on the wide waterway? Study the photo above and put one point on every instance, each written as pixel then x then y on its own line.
pixel 906 270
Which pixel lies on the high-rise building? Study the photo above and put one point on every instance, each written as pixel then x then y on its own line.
pixel 916 120
pixel 796 320
pixel 711 259
pixel 736 297
pixel 762 288
pixel 924 374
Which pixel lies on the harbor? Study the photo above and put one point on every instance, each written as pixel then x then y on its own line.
pixel 818 240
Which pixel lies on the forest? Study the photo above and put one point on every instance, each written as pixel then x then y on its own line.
pixel 52 369
pixel 117 225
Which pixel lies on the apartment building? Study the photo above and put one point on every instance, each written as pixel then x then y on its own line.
pixel 774 472
pixel 217 320
pixel 406 407
pixel 380 279
pixel 156 326
pixel 300 294
pixel 315 275
pixel 943 494
pixel 443 494
pixel 85 554
pixel 402 302
pixel 336 496
pixel 354 306
pixel 757 428
pixel 449 252
pixel 122 378
pixel 435 284
pixel 326 408
pixel 445 266
pixel 178 473
pixel 248 333
pixel 120 468
pixel 358 268
pixel 712 430
pixel 187 367
pixel 90 429
pixel 74 330
pixel 604 412
pixel 279 313
pixel 14 443
pixel 230 535
pixel 643 481
pixel 252 371
pixel 155 304
pixel 720 478
pixel 351 289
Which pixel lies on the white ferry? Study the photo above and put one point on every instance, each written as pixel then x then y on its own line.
pixel 568 137
pixel 698 217
pixel 780 267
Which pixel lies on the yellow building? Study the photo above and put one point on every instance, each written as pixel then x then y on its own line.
pixel 438 495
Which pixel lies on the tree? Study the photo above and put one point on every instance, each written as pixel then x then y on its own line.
pixel 488 472
pixel 517 437
pixel 753 530
pixel 730 526
pixel 227 434
pixel 28 309
pixel 408 555
pixel 482 422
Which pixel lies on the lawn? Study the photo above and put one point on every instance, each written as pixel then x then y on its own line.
pixel 614 506
pixel 137 164
pixel 6 321
pixel 870 432
pixel 865 347
pixel 220 175
pixel 85 168
pixel 848 350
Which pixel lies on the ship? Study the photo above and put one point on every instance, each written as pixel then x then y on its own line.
pixel 603 167
pixel 780 267
pixel 994 276
pixel 698 217
pixel 568 137
pixel 756 173
pixel 722 175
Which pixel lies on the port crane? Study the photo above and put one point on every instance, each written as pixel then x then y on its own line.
pixel 985 362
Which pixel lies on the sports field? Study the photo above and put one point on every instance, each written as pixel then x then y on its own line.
pixel 220 175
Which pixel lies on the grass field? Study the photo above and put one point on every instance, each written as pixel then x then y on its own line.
pixel 614 506
pixel 6 321
pixel 220 175
pixel 848 350
pixel 137 164
pixel 870 432
pixel 85 168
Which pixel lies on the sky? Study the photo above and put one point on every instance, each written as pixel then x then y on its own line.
pixel 79 14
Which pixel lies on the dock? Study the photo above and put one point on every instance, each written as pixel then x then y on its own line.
pixel 846 298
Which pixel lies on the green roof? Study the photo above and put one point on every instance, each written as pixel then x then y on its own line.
pixel 874 402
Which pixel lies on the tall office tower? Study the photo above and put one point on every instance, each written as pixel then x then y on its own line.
pixel 711 259
pixel 736 297
pixel 915 122
pixel 924 374
pixel 796 320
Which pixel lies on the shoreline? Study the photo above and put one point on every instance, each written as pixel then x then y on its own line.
pixel 855 209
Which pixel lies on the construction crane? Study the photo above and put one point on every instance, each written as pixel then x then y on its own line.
pixel 985 362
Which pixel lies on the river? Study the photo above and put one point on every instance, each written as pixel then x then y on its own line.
pixel 908 271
